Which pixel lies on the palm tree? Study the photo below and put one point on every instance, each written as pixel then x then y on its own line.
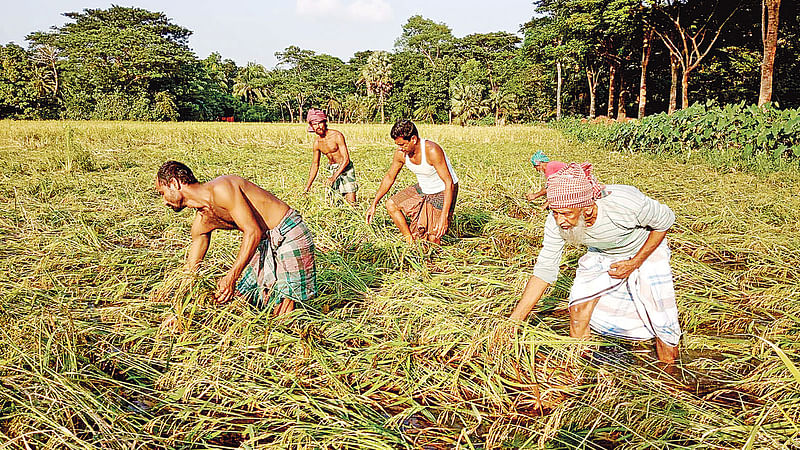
pixel 503 103
pixel 251 83
pixel 425 112
pixel 377 76
pixel 466 102
pixel 46 57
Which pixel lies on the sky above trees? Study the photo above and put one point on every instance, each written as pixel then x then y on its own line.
pixel 253 30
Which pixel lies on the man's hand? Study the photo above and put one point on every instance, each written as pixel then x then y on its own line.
pixel 440 228
pixel 623 269
pixel 370 214
pixel 502 337
pixel 329 181
pixel 225 289
pixel 531 196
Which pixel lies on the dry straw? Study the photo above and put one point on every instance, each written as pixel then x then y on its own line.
pixel 398 351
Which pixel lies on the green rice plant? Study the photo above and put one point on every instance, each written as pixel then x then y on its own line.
pixel 406 346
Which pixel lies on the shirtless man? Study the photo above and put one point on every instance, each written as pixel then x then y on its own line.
pixel 331 143
pixel 276 257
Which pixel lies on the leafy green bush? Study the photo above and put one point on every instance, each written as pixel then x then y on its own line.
pixel 584 131
pixel 733 135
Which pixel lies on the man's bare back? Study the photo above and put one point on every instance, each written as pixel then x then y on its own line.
pixel 229 192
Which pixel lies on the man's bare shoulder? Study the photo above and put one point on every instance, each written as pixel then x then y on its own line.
pixel 336 134
pixel 434 151
pixel 228 186
pixel 224 182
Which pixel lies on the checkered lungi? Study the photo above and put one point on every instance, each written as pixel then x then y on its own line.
pixel 282 266
pixel 423 210
pixel 639 307
pixel 345 183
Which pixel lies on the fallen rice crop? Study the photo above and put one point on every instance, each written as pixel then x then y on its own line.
pixel 397 351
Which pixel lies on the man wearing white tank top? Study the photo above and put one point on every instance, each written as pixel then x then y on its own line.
pixel 429 203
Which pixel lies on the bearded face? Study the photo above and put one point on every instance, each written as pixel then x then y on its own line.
pixel 575 234
pixel 320 128
pixel 171 194
pixel 571 224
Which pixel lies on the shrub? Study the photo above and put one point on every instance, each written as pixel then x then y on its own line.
pixel 733 135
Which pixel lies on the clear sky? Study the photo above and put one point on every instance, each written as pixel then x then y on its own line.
pixel 253 30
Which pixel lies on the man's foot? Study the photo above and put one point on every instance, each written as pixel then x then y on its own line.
pixel 283 308
pixel 666 353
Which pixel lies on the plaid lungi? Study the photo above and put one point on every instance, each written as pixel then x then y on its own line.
pixel 423 210
pixel 639 307
pixel 345 183
pixel 282 266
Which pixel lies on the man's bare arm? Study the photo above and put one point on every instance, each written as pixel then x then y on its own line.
pixel 201 238
pixel 398 160
pixel 233 199
pixel 623 269
pixel 312 173
pixel 339 138
pixel 530 297
pixel 534 195
pixel 435 156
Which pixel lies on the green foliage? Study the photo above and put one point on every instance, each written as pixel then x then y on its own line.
pixel 113 63
pixel 376 75
pixel 737 136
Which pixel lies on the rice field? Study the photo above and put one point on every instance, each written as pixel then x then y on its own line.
pixel 398 351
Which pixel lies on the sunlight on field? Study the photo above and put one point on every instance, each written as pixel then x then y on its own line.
pixel 396 350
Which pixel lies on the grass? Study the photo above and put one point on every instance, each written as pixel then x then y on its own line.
pixel 395 352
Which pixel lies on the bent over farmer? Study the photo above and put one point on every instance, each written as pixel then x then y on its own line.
pixel 342 175
pixel 429 203
pixel 623 284
pixel 275 264
pixel 543 164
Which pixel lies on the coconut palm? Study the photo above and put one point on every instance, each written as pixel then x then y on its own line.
pixel 466 102
pixel 377 76
pixel 251 83
pixel 503 103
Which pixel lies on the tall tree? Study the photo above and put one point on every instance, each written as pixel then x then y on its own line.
pixel 433 40
pixel 769 36
pixel 125 54
pixel 694 37
pixel 377 77
pixel 647 49
pixel 545 36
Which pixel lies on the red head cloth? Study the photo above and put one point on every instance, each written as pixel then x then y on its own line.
pixel 574 186
pixel 315 116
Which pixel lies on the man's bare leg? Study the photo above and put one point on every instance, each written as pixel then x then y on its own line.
pixel 284 307
pixel 399 220
pixel 579 316
pixel 666 353
pixel 351 198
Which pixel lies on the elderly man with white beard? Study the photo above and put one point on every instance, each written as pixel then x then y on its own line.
pixel 623 284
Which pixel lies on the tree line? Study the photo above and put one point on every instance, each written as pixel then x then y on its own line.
pixel 617 58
